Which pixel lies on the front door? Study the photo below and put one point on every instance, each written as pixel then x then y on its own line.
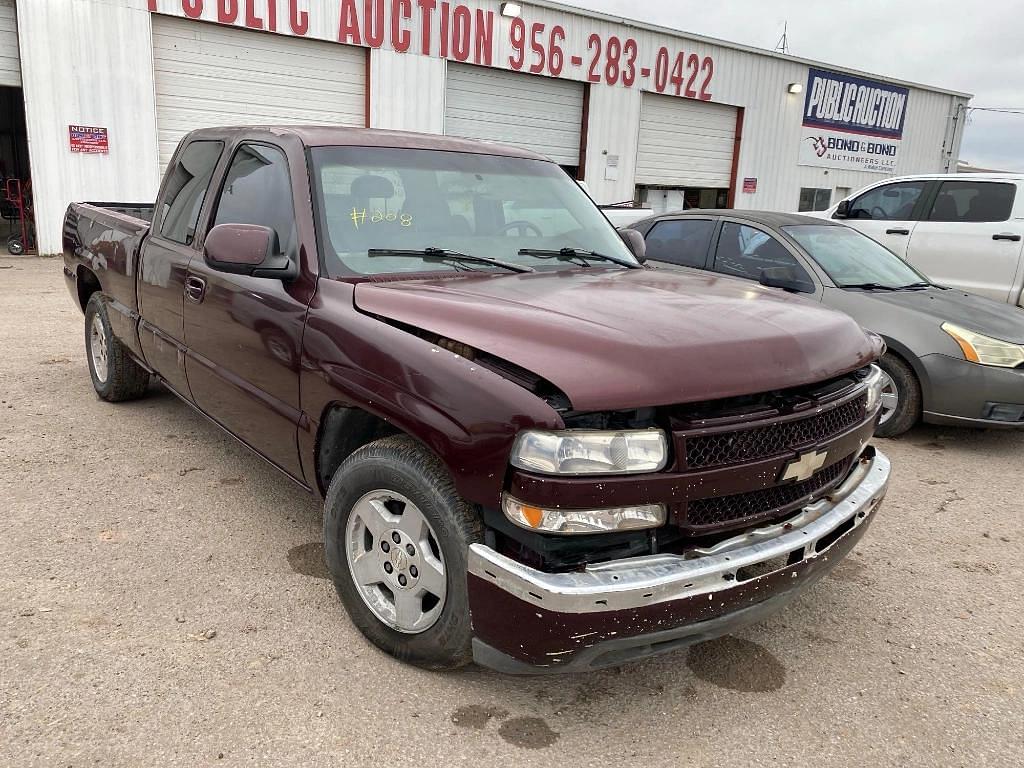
pixel 244 334
pixel 888 213
pixel 166 254
pixel 968 240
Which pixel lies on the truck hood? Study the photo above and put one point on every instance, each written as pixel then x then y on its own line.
pixel 614 339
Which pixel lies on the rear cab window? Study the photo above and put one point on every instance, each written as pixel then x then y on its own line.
pixel 185 190
pixel 973 201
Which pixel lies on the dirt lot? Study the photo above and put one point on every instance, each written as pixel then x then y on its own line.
pixel 163 601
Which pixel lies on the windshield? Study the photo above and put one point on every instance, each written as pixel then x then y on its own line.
pixel 376 199
pixel 850 258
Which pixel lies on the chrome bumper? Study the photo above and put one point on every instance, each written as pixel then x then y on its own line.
pixel 643 581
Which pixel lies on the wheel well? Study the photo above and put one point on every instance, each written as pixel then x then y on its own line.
pixel 88 284
pixel 343 431
pixel 909 360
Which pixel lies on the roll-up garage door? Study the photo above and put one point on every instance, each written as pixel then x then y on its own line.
pixel 10 61
pixel 538 113
pixel 685 143
pixel 209 75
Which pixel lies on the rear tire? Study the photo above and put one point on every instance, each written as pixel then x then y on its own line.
pixel 903 393
pixel 115 374
pixel 395 603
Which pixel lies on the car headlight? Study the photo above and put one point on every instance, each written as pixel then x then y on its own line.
pixel 874 384
pixel 984 349
pixel 590 452
pixel 580 521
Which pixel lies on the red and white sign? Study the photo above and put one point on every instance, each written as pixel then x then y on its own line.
pixel 88 139
pixel 750 185
pixel 472 32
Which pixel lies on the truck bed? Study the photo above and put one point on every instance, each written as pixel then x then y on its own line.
pixel 101 243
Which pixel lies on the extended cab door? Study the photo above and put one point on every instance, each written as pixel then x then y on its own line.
pixel 969 239
pixel 244 334
pixel 165 256
pixel 888 213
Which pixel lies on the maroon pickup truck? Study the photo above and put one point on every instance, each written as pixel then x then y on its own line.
pixel 534 452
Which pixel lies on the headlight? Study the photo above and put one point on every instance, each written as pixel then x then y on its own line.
pixel 578 521
pixel 985 350
pixel 591 452
pixel 874 382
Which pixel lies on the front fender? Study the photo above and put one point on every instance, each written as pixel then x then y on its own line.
pixel 468 415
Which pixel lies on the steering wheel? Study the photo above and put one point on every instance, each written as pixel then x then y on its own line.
pixel 522 228
pixel 878 214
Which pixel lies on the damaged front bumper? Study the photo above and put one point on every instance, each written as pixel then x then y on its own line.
pixel 527 621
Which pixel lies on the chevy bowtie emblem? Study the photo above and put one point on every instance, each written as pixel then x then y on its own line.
pixel 804 467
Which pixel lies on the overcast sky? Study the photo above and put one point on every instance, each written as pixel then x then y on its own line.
pixel 946 43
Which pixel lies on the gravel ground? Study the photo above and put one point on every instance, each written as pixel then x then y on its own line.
pixel 163 601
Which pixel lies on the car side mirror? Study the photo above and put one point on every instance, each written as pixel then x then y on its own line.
pixel 785 278
pixel 635 242
pixel 247 249
pixel 842 210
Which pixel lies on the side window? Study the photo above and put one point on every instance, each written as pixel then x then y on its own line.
pixel 258 190
pixel 745 252
pixel 890 202
pixel 973 201
pixel 186 189
pixel 683 242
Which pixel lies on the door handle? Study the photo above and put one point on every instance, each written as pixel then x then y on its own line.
pixel 195 288
pixel 897 231
pixel 1007 236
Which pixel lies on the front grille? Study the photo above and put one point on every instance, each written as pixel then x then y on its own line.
pixel 724 448
pixel 709 513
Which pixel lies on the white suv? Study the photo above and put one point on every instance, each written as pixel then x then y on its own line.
pixel 961 230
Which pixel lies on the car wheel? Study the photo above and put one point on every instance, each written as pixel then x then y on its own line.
pixel 397 537
pixel 115 374
pixel 901 397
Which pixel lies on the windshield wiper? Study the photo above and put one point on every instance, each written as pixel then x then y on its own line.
pixel 571 254
pixel 443 254
pixel 915 286
pixel 869 286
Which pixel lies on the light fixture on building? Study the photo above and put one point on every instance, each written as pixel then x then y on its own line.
pixel 796 88
pixel 512 10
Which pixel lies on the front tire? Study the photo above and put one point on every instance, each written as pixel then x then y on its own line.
pixel 115 374
pixel 901 397
pixel 397 537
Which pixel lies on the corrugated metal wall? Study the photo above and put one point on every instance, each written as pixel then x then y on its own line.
pixel 10 62
pixel 87 62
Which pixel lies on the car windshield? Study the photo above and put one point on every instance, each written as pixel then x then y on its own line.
pixel 853 259
pixel 381 207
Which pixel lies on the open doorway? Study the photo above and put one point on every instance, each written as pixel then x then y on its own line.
pixel 17 225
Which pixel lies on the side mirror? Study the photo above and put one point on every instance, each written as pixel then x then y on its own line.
pixel 635 242
pixel 247 249
pixel 842 210
pixel 785 278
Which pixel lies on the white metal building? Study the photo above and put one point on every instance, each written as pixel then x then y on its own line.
pixel 639 112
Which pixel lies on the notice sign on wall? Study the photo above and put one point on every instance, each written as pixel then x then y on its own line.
pixel 749 186
pixel 88 139
pixel 852 123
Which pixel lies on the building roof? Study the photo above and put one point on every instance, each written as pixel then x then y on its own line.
pixel 737 46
